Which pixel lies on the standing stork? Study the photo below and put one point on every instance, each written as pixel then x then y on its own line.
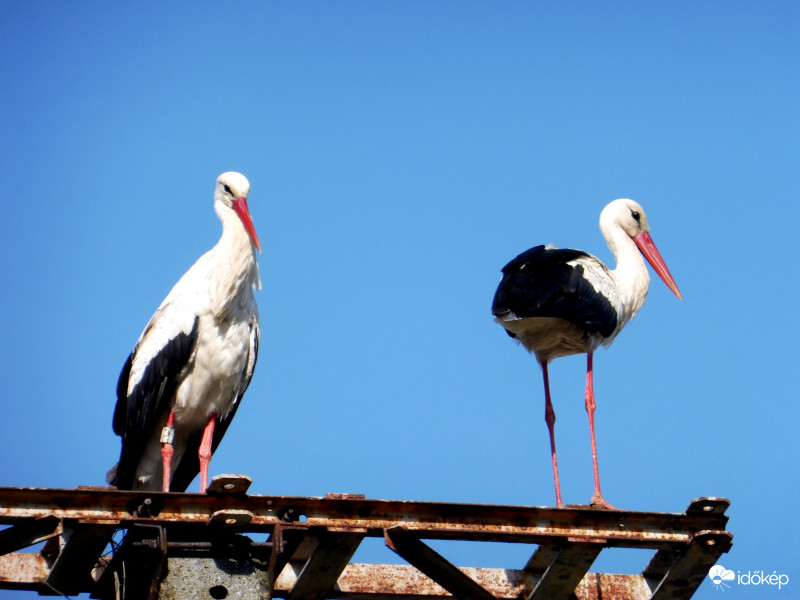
pixel 186 376
pixel 563 302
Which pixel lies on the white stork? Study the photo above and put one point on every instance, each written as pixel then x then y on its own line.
pixel 563 302
pixel 185 378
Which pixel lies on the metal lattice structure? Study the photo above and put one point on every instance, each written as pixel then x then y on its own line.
pixel 200 546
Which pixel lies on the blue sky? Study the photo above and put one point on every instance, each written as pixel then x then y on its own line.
pixel 399 154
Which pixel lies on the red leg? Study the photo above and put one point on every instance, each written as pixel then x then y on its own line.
pixel 167 435
pixel 550 419
pixel 205 452
pixel 597 498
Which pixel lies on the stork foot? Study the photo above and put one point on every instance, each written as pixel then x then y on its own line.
pixel 598 501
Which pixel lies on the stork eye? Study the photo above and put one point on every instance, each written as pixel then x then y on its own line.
pixel 636 215
pixel 227 189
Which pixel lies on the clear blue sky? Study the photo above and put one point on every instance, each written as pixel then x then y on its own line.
pixel 399 154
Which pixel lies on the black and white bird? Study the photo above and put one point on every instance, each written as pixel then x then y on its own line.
pixel 563 302
pixel 186 376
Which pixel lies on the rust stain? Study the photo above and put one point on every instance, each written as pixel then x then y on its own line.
pixel 353 514
pixel 22 570
pixel 599 586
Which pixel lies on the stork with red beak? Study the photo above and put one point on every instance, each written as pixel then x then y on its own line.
pixel 186 376
pixel 563 302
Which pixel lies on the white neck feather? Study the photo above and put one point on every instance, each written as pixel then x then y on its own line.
pixel 630 274
pixel 236 256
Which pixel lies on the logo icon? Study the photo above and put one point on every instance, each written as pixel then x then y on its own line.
pixel 719 575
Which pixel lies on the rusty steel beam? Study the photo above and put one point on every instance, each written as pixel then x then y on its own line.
pixel 566 570
pixel 544 555
pixel 603 586
pixel 312 541
pixel 691 568
pixel 435 520
pixel 434 565
pixel 27 571
pixel 29 532
pixel 320 571
pixel 404 582
pixel 74 555
pixel 23 571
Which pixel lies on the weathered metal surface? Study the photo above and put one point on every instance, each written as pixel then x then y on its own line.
pixel 566 570
pixel 229 484
pixel 321 569
pixel 387 582
pixel 28 533
pixel 312 540
pixel 437 520
pixel 662 562
pixel 22 571
pixel 430 562
pixel 404 582
pixel 691 568
pixel 544 555
pixel 608 586
pixel 231 517
pixel 72 562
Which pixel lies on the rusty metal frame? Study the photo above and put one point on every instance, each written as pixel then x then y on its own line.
pixel 312 541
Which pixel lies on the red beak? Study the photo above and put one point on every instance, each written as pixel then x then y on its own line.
pixel 240 206
pixel 653 256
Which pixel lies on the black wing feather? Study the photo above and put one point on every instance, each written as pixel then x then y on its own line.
pixel 540 283
pixel 189 466
pixel 136 415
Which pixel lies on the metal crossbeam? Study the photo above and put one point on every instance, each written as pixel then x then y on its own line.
pixel 322 567
pixel 311 542
pixel 74 555
pixel 430 562
pixel 29 532
pixel 566 570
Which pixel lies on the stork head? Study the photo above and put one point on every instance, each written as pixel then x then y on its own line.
pixel 627 215
pixel 232 190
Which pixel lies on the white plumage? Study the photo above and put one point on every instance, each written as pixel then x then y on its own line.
pixel 194 359
pixel 563 302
